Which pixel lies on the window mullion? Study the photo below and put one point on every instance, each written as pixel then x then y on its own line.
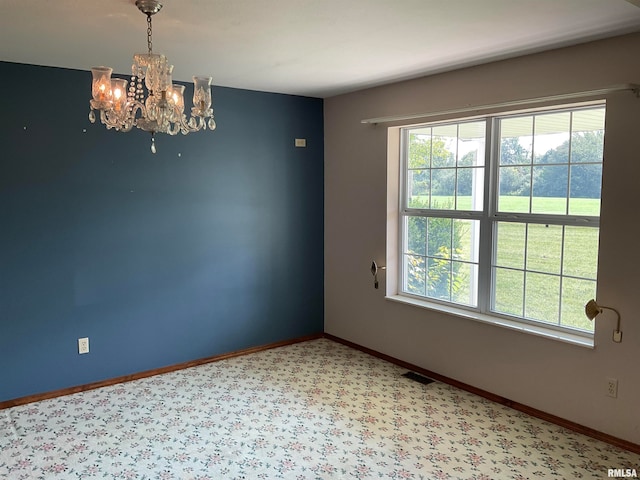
pixel 485 253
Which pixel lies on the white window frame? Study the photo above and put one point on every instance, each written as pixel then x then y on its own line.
pixel 488 219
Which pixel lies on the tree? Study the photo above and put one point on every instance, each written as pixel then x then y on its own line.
pixel 434 243
pixel 513 153
pixel 427 152
pixel 514 180
pixel 585 168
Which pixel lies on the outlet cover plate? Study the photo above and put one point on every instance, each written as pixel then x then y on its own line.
pixel 83 345
pixel 612 387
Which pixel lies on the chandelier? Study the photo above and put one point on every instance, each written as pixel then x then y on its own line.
pixel 151 102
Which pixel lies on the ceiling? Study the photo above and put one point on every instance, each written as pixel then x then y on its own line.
pixel 317 48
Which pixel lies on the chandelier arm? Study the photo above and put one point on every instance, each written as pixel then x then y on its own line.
pixel 176 120
pixel 105 118
pixel 196 123
pixel 174 128
pixel 111 119
pixel 128 122
pixel 184 128
pixel 127 127
pixel 135 108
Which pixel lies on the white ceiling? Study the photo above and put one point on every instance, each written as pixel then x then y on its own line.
pixel 317 48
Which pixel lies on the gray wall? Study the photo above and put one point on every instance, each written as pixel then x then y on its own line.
pixel 555 377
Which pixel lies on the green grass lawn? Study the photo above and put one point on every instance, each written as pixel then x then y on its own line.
pixel 554 264
pixel 512 204
pixel 561 263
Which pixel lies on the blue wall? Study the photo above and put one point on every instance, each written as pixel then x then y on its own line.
pixel 214 244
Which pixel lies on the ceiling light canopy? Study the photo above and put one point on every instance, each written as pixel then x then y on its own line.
pixel 150 102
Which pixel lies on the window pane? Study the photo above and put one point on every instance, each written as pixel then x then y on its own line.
pixel 544 248
pixel 588 120
pixel 439 278
pixel 542 297
pixel 439 237
pixel 580 258
pixel 471 144
pixel 466 240
pixel 416 235
pixel 587 147
pixel 465 281
pixel 470 189
pixel 419 150
pixel 509 288
pixel 444 146
pixel 575 293
pixel 510 244
pixel 586 183
pixel 550 189
pixel 443 188
pixel 418 187
pixel 516 135
pixel 415 274
pixel 551 140
pixel 557 139
pixel 515 184
pixel 445 166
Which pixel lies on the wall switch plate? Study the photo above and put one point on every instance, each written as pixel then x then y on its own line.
pixel 83 345
pixel 301 142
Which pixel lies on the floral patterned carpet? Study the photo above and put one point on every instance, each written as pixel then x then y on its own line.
pixel 313 410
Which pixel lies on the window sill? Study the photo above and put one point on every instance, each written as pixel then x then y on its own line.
pixel 539 330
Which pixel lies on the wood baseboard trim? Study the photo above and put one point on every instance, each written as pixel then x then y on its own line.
pixel 618 442
pixel 149 373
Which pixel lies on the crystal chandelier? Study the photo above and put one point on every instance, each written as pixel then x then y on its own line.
pixel 150 102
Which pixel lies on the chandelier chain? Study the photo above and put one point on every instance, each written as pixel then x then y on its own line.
pixel 149 35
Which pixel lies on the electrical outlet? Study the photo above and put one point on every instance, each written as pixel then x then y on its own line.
pixel 83 345
pixel 612 387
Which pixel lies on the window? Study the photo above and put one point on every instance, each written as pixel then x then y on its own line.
pixel 500 215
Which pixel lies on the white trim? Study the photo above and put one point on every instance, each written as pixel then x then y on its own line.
pixel 586 341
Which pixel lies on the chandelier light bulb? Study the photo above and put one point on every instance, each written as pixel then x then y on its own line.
pixel 101 86
pixel 150 101
pixel 177 97
pixel 119 94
